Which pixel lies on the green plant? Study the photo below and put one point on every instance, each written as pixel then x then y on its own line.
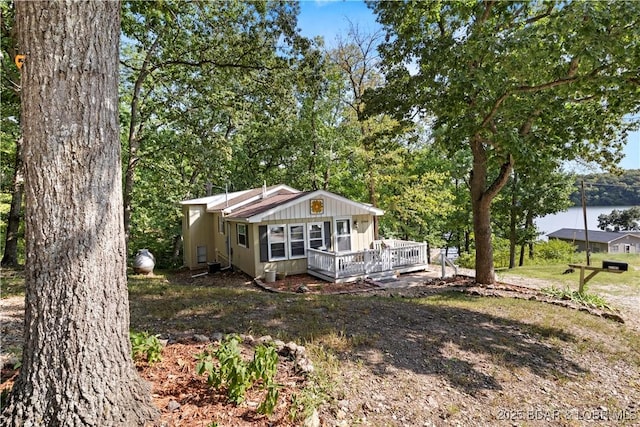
pixel 586 299
pixel 554 250
pixel 232 372
pixel 145 347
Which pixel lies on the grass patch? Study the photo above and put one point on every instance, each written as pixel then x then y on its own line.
pixel 585 299
pixel 12 282
pixel 626 284
pixel 504 349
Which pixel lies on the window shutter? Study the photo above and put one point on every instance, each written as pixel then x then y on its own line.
pixel 264 243
pixel 327 235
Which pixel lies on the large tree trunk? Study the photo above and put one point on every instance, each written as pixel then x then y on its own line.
pixel 482 194
pixel 10 256
pixel 513 223
pixel 76 367
pixel 482 230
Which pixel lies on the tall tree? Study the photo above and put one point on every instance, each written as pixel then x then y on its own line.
pixel 508 79
pixel 195 76
pixel 76 367
pixel 620 220
pixel 10 142
pixel 359 63
pixel 534 190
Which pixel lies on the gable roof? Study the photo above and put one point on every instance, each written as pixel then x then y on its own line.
pixel 220 202
pixel 258 203
pixel 258 211
pixel 594 235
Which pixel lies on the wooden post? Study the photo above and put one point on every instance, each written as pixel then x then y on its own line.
pixel 581 285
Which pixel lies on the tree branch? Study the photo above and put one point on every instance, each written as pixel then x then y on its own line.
pixel 488 5
pixel 501 179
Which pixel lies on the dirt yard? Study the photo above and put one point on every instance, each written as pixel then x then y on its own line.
pixel 433 354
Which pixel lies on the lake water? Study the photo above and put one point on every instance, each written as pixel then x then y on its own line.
pixel 573 218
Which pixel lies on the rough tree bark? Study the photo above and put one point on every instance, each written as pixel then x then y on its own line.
pixel 482 194
pixel 76 367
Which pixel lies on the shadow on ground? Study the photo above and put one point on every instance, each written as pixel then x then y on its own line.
pixel 383 333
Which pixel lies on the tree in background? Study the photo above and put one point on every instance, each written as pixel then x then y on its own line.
pixel 620 220
pixel 76 367
pixel 376 150
pixel 606 189
pixel 10 142
pixel 202 84
pixel 506 80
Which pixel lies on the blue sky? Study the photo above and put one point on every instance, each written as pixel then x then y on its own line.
pixel 329 18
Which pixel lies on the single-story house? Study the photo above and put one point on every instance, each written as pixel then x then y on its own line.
pixel 282 229
pixel 600 241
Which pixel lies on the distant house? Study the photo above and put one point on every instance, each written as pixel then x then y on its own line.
pixel 282 229
pixel 600 241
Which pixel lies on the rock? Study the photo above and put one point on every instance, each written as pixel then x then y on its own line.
pixel 304 366
pixel 279 345
pixel 247 338
pixel 302 289
pixel 300 351
pixel 264 340
pixel 291 347
pixel 312 420
pixel 200 338
pixel 217 336
pixel 173 406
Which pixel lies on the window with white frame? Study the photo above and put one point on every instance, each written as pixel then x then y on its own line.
pixel 343 233
pixel 316 235
pixel 277 242
pixel 220 224
pixel 296 241
pixel 201 252
pixel 242 235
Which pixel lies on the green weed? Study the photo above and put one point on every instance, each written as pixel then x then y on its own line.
pixel 145 347
pixel 225 368
pixel 586 299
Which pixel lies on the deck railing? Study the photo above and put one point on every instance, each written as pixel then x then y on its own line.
pixel 387 256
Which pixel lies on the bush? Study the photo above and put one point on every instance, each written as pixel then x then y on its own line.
pixel 554 250
pixel 500 255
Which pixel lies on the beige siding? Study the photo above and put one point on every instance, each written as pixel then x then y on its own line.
pixel 243 258
pixel 360 239
pixel 219 241
pixel 363 236
pixel 302 211
pixel 198 230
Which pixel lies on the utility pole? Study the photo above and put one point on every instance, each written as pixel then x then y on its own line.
pixel 586 232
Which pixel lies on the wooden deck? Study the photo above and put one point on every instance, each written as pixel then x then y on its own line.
pixel 388 258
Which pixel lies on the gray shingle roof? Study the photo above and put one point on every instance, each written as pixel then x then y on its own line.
pixel 594 235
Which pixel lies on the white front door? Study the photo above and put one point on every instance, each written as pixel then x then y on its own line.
pixel 343 235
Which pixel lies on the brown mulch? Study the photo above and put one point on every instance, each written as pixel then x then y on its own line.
pixel 185 399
